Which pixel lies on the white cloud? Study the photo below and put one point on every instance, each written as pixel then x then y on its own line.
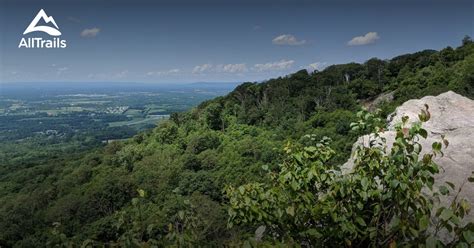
pixel 60 70
pixel 316 66
pixel 274 66
pixel 288 40
pixel 173 71
pixel 202 68
pixel 109 75
pixel 90 32
pixel 221 68
pixel 366 39
pixel 121 74
pixel 240 68
pixel 233 68
pixel 163 73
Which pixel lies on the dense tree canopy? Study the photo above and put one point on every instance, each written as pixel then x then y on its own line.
pixel 165 186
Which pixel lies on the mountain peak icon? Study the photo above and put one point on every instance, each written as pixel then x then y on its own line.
pixel 47 19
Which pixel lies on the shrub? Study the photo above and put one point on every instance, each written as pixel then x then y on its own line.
pixel 379 203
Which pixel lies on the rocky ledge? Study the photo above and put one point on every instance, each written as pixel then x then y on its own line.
pixel 452 115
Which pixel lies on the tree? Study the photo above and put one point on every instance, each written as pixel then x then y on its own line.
pixel 213 117
pixel 466 40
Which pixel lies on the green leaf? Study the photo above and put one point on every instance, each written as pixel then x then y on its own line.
pixel 468 236
pixel 290 210
pixel 413 231
pixel 471 178
pixel 427 158
pixel 403 186
pixel 436 146
pixel 310 149
pixel 394 183
pixel 247 244
pixel 455 220
pixel 298 158
pixel 365 183
pixel 424 222
pixel 324 177
pixel 443 190
pixel 395 222
pixel 423 133
pixel 295 185
pixel 462 245
pixel 431 242
pixel 465 205
pixel 446 214
pixel 360 221
pixel 313 233
pixel 372 232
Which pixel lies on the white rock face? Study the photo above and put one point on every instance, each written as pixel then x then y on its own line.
pixel 452 115
pixel 449 111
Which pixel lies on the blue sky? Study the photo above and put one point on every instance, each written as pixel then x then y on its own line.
pixel 219 41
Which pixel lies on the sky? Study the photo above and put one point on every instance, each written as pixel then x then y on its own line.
pixel 219 41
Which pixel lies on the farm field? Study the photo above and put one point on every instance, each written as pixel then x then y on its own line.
pixel 61 112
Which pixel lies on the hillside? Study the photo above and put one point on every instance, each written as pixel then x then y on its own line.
pixel 165 186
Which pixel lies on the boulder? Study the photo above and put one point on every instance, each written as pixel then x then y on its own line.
pixel 452 115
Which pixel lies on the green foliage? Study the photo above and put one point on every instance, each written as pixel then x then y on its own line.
pixel 200 142
pixel 365 88
pixel 213 117
pixel 77 194
pixel 379 202
pixel 167 133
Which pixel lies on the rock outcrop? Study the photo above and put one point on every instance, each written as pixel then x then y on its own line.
pixel 382 98
pixel 452 115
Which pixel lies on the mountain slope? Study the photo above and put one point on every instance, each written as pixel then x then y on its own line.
pixel 182 166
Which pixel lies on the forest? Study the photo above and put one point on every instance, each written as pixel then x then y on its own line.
pixel 258 167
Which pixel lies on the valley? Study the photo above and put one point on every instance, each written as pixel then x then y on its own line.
pixel 113 111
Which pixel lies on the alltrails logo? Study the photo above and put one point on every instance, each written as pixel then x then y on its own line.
pixel 38 42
